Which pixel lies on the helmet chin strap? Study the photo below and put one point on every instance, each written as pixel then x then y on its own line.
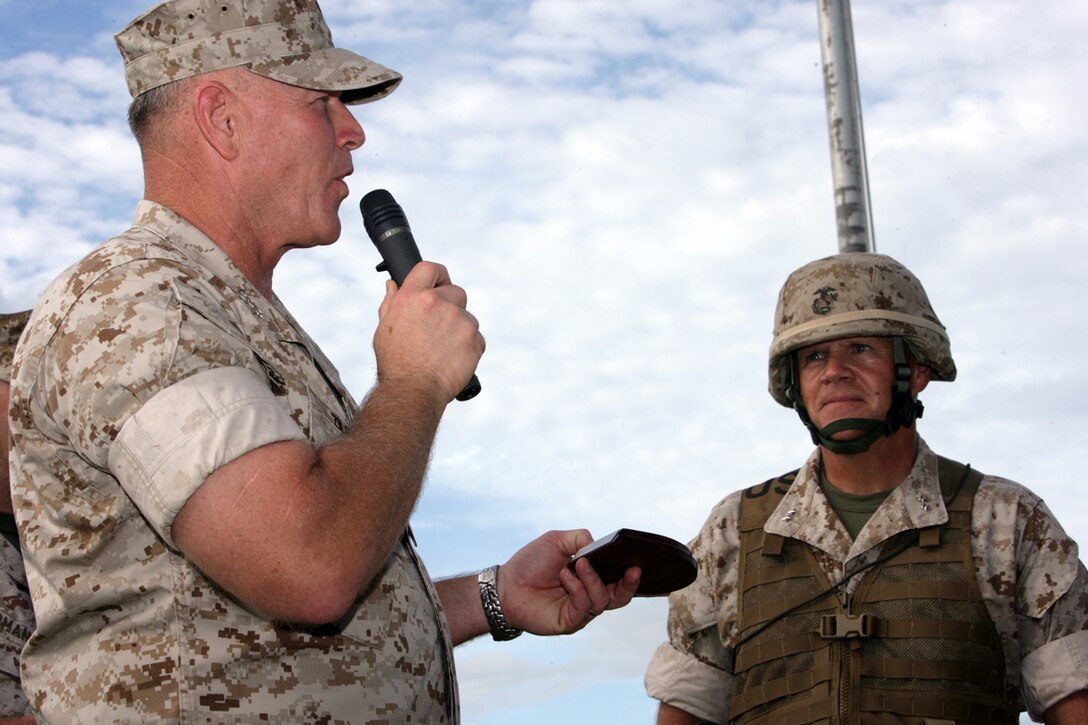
pixel 902 413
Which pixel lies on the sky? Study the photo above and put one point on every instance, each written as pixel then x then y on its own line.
pixel 622 186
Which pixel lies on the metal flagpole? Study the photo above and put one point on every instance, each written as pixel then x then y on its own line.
pixel 848 170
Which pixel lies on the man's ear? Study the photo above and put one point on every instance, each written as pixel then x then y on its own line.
pixel 920 377
pixel 215 108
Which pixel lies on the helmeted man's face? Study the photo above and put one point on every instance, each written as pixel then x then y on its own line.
pixel 851 377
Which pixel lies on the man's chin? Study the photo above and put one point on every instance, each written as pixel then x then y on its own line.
pixel 318 240
pixel 328 235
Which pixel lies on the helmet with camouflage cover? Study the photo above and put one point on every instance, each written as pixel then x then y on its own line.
pixel 856 295
pixel 853 295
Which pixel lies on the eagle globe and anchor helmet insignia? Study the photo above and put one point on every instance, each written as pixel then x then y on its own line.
pixel 857 294
pixel 825 298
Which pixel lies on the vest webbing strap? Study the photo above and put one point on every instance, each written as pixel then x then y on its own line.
pixel 925 704
pixel 785 686
pixel 981 672
pixel 942 554
pixel 782 572
pixel 757 654
pixel 929 537
pixel 759 502
pixel 804 713
pixel 953 477
pixel 890 591
pixel 936 629
pixel 767 611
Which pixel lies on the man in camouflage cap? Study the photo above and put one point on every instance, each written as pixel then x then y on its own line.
pixel 216 531
pixel 879 583
pixel 16 610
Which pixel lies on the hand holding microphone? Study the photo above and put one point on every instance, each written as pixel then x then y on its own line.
pixel 388 228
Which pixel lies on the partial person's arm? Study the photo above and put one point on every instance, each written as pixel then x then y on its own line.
pixel 1072 710
pixel 691 674
pixel 538 593
pixel 296 533
pixel 5 500
pixel 5 446
pixel 669 715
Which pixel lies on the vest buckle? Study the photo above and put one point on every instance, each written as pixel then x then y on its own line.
pixel 847 626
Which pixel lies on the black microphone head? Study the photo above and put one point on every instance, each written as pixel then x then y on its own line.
pixel 380 213
pixel 388 229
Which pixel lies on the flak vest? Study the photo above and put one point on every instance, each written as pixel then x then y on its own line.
pixel 914 645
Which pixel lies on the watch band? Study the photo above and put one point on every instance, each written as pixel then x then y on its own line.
pixel 501 631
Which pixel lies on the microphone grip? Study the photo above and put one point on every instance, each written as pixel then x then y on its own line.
pixel 388 228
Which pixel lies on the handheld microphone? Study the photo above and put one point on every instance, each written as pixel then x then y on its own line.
pixel 388 229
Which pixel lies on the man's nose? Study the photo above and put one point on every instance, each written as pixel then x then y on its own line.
pixel 837 366
pixel 349 130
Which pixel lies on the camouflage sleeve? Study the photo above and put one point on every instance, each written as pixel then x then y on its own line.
pixel 92 377
pixel 1060 667
pixel 692 671
pixel 185 432
pixel 13 701
pixel 130 334
pixel 131 341
pixel 16 624
pixel 1036 591
pixel 1052 604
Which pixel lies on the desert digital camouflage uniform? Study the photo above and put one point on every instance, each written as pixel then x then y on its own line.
pixel 16 624
pixel 16 610
pixel 11 327
pixel 146 366
pixel 1032 582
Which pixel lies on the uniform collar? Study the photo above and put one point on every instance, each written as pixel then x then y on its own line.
pixel 180 234
pixel 805 514
pixel 168 225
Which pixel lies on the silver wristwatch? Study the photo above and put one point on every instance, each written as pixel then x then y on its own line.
pixel 501 631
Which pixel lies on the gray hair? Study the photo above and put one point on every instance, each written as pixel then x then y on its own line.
pixel 150 106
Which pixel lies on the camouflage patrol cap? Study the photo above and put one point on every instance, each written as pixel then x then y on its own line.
pixel 285 40
pixel 11 326
pixel 856 294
